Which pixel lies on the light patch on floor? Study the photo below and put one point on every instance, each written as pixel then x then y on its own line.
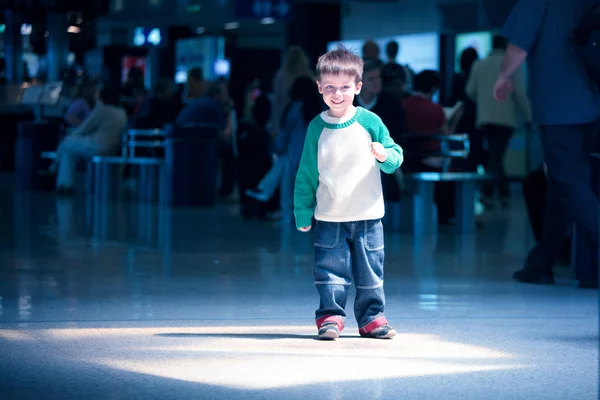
pixel 242 371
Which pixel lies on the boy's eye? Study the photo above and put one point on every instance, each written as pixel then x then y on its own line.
pixel 346 87
pixel 329 87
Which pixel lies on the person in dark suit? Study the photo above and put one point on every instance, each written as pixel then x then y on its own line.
pixel 566 105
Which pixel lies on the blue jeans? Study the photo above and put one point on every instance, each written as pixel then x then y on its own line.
pixel 347 252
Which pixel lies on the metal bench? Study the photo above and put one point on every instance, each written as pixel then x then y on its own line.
pixel 418 213
pixel 142 139
pixel 447 151
pixel 105 173
pixel 421 205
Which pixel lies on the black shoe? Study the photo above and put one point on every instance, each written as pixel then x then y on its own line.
pixel 65 191
pixel 529 275
pixel 564 260
pixel 588 284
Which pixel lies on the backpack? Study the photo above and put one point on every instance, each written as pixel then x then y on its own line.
pixel 586 39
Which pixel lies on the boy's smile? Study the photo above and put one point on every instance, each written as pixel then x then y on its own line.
pixel 338 92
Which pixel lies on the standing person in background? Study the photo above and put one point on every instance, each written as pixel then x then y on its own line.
pixel 566 105
pixel 294 66
pixel 392 49
pixel 371 51
pixel 497 120
pixel 467 122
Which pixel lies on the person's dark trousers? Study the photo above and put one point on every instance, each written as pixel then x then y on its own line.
pixel 228 169
pixel 498 138
pixel 535 186
pixel 534 193
pixel 477 154
pixel 566 150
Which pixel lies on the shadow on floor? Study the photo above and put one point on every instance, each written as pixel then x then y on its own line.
pixel 258 336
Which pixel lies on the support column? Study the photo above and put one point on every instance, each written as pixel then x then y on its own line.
pixel 327 17
pixel 57 44
pixel 13 47
pixel 152 67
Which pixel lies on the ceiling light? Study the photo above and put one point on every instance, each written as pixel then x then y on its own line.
pixel 267 21
pixel 232 25
pixel 74 29
pixel 26 29
pixel 79 21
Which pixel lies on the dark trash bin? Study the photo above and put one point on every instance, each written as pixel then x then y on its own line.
pixel 33 139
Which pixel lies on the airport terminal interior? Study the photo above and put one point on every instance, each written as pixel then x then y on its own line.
pixel 148 248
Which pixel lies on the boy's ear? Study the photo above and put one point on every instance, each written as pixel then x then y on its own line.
pixel 319 86
pixel 358 87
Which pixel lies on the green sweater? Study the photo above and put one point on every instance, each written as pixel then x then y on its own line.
pixel 338 178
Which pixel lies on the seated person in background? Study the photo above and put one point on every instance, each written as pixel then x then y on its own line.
pixel 423 116
pixel 99 134
pixel 195 86
pixel 158 109
pixel 215 107
pixel 81 107
pixel 393 77
pixel 206 109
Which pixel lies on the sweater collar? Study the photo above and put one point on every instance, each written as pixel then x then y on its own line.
pixel 338 123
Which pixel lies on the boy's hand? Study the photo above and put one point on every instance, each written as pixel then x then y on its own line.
pixel 304 229
pixel 378 151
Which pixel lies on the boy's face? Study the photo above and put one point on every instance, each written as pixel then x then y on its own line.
pixel 338 92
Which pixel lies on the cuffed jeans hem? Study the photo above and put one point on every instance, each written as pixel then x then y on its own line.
pixel 374 324
pixel 339 320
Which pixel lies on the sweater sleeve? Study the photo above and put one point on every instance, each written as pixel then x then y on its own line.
pixel 379 133
pixel 307 178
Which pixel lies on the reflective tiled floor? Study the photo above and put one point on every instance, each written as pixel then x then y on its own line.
pixel 130 302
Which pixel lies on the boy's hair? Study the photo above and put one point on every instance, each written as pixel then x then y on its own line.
pixel 340 61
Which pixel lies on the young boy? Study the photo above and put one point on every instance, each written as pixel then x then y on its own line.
pixel 339 183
